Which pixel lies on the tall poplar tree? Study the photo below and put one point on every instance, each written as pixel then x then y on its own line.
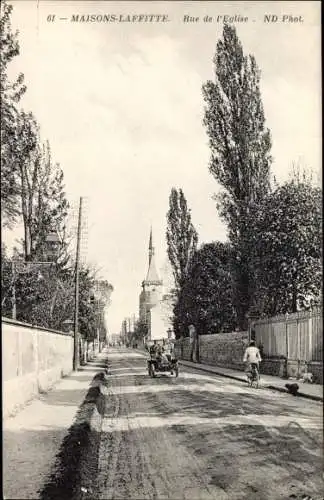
pixel 181 237
pixel 240 147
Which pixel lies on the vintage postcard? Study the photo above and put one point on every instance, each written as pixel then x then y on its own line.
pixel 161 206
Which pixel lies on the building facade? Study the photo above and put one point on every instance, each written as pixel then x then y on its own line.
pixel 152 287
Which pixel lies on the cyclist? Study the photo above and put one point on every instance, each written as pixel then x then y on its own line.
pixel 252 356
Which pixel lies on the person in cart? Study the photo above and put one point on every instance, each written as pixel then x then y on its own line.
pixel 168 350
pixel 153 349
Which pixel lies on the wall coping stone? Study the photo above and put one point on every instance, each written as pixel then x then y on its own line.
pixel 11 321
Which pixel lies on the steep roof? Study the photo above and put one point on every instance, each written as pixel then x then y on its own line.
pixel 152 274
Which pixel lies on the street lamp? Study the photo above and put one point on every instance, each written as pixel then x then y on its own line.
pixel 68 325
pixel 52 245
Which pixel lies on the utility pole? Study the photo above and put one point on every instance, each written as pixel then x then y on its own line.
pixel 98 323
pixel 76 294
pixel 13 296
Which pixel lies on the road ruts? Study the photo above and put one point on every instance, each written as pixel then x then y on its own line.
pixel 204 437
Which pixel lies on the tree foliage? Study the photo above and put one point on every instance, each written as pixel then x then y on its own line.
pixel 32 187
pixel 11 92
pixel 141 330
pixel 181 236
pixel 287 234
pixel 6 282
pixel 43 202
pixel 206 298
pixel 45 295
pixel 240 152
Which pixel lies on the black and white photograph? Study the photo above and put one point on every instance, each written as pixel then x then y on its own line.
pixel 161 250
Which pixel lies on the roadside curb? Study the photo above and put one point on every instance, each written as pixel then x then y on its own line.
pixel 73 476
pixel 241 379
pixel 198 366
pixel 299 394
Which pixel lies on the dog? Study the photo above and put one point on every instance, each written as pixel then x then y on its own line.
pixel 307 377
pixel 292 388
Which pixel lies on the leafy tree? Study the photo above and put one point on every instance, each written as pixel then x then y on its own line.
pixel 11 92
pixel 287 234
pixel 87 305
pixel 102 301
pixel 141 330
pixel 6 282
pixel 206 298
pixel 43 295
pixel 34 293
pixel 50 203
pixel 94 298
pixel 181 236
pixel 43 202
pixel 240 153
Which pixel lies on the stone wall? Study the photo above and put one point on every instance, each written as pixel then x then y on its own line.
pixel 227 349
pixel 33 359
pixel 223 349
pixel 275 367
pixel 316 368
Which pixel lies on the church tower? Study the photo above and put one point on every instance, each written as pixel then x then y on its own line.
pixel 151 293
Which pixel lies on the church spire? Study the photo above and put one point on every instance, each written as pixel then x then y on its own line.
pixel 151 248
pixel 152 275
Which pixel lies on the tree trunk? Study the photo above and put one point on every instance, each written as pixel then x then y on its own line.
pixel 294 300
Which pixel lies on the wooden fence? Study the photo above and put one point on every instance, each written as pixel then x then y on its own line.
pixel 297 336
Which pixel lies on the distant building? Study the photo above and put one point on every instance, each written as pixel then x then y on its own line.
pixel 152 287
pixel 151 303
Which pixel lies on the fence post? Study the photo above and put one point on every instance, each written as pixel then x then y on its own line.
pixel 298 346
pixel 310 337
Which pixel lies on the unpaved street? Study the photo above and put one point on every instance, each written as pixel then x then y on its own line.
pixel 202 436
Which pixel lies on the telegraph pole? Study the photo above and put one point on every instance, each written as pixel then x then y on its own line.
pixel 76 294
pixel 14 309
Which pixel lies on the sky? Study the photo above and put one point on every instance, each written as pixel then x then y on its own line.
pixel 122 107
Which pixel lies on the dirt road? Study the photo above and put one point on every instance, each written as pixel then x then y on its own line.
pixel 204 437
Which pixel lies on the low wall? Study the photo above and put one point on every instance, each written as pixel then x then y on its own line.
pixel 275 367
pixel 222 349
pixel 227 350
pixel 316 368
pixel 33 359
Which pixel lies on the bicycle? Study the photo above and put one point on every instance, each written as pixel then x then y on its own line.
pixel 254 375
